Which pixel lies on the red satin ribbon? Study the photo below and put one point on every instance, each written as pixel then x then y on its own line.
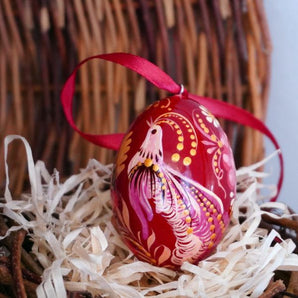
pixel 161 80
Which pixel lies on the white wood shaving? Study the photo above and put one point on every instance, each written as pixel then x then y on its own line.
pixel 69 223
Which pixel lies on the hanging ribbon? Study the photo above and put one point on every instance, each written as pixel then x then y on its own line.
pixel 160 79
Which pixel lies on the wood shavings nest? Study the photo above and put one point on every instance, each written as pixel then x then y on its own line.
pixel 74 241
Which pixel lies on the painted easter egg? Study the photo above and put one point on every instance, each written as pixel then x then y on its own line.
pixel 173 183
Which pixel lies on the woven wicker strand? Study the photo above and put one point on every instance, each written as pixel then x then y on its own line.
pixel 219 49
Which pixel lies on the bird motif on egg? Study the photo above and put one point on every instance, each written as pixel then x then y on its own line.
pixel 173 183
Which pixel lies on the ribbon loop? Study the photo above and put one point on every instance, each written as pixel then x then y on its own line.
pixel 138 64
pixel 161 80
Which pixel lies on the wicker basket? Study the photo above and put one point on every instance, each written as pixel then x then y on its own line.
pixel 217 48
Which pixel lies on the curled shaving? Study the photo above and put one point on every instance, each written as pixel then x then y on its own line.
pixel 74 240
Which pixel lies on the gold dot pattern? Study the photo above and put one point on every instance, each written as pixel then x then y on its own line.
pixel 188 219
pixel 213 217
pixel 215 140
pixel 183 135
pixel 193 152
pixel 155 168
pixel 187 161
pixel 180 146
pixel 185 212
pixel 148 162
pixel 175 157
pixel 189 231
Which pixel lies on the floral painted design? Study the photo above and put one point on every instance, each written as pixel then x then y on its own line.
pixel 122 155
pixel 163 212
pixel 209 116
pixel 176 198
pixel 160 254
pixel 218 146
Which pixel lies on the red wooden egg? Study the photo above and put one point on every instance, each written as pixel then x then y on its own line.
pixel 173 183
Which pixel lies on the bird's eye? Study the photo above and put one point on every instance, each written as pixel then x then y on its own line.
pixel 153 131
